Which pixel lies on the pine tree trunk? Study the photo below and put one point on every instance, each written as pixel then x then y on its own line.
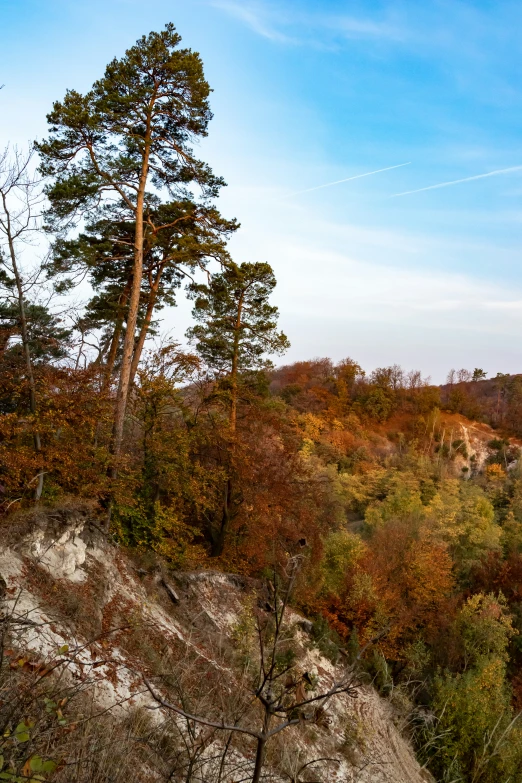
pixel 218 541
pixel 140 342
pixel 118 328
pixel 218 537
pixel 132 317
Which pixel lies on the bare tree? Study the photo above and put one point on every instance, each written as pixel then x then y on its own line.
pixel 283 696
pixel 20 211
pixel 415 381
pixel 463 375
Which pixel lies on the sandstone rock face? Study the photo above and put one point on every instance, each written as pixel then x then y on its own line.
pixel 72 586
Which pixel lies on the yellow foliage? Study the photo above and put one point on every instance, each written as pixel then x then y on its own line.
pixel 495 472
pixel 359 490
pixel 312 425
pixel 464 517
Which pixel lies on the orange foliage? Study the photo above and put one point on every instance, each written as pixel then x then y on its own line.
pixel 496 574
pixel 412 578
pixel 72 417
pixel 403 582
pixel 281 503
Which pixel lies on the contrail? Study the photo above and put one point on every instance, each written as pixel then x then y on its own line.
pixel 348 179
pixel 458 181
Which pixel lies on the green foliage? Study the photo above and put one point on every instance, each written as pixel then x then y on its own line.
pixel 22 731
pixel 511 539
pixel 380 672
pixel 238 325
pixel 20 766
pixel 485 628
pixel 342 551
pixel 379 404
pixel 98 140
pixel 48 340
pixel 165 486
pixel 465 518
pixel 244 632
pixel 326 639
pixel 159 529
pixel 179 237
pixel 418 657
pixel 474 737
pixel 403 501
pixel 113 155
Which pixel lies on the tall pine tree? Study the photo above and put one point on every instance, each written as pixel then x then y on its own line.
pixel 237 327
pixel 237 330
pixel 131 131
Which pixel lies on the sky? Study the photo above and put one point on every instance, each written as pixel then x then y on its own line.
pixel 384 268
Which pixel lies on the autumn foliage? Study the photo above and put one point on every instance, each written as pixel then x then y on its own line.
pixel 212 457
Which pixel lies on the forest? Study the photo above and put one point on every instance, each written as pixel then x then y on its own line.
pixel 208 452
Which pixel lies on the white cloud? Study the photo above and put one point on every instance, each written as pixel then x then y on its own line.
pixel 270 22
pixel 332 284
pixel 254 16
pixel 377 293
pixel 514 304
pixel 352 27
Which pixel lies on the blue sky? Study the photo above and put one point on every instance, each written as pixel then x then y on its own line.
pixel 307 92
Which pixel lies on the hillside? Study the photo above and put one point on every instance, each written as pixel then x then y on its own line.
pixel 83 626
pixel 496 401
pixel 217 567
pixel 414 539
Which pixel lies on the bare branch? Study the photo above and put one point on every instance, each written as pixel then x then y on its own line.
pixel 197 718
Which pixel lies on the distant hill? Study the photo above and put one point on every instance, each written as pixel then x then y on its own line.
pixel 497 401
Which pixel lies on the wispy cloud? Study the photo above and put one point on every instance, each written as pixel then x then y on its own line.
pixel 347 179
pixel 515 304
pixel 352 27
pixel 389 295
pixel 254 16
pixel 459 181
pixel 272 22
